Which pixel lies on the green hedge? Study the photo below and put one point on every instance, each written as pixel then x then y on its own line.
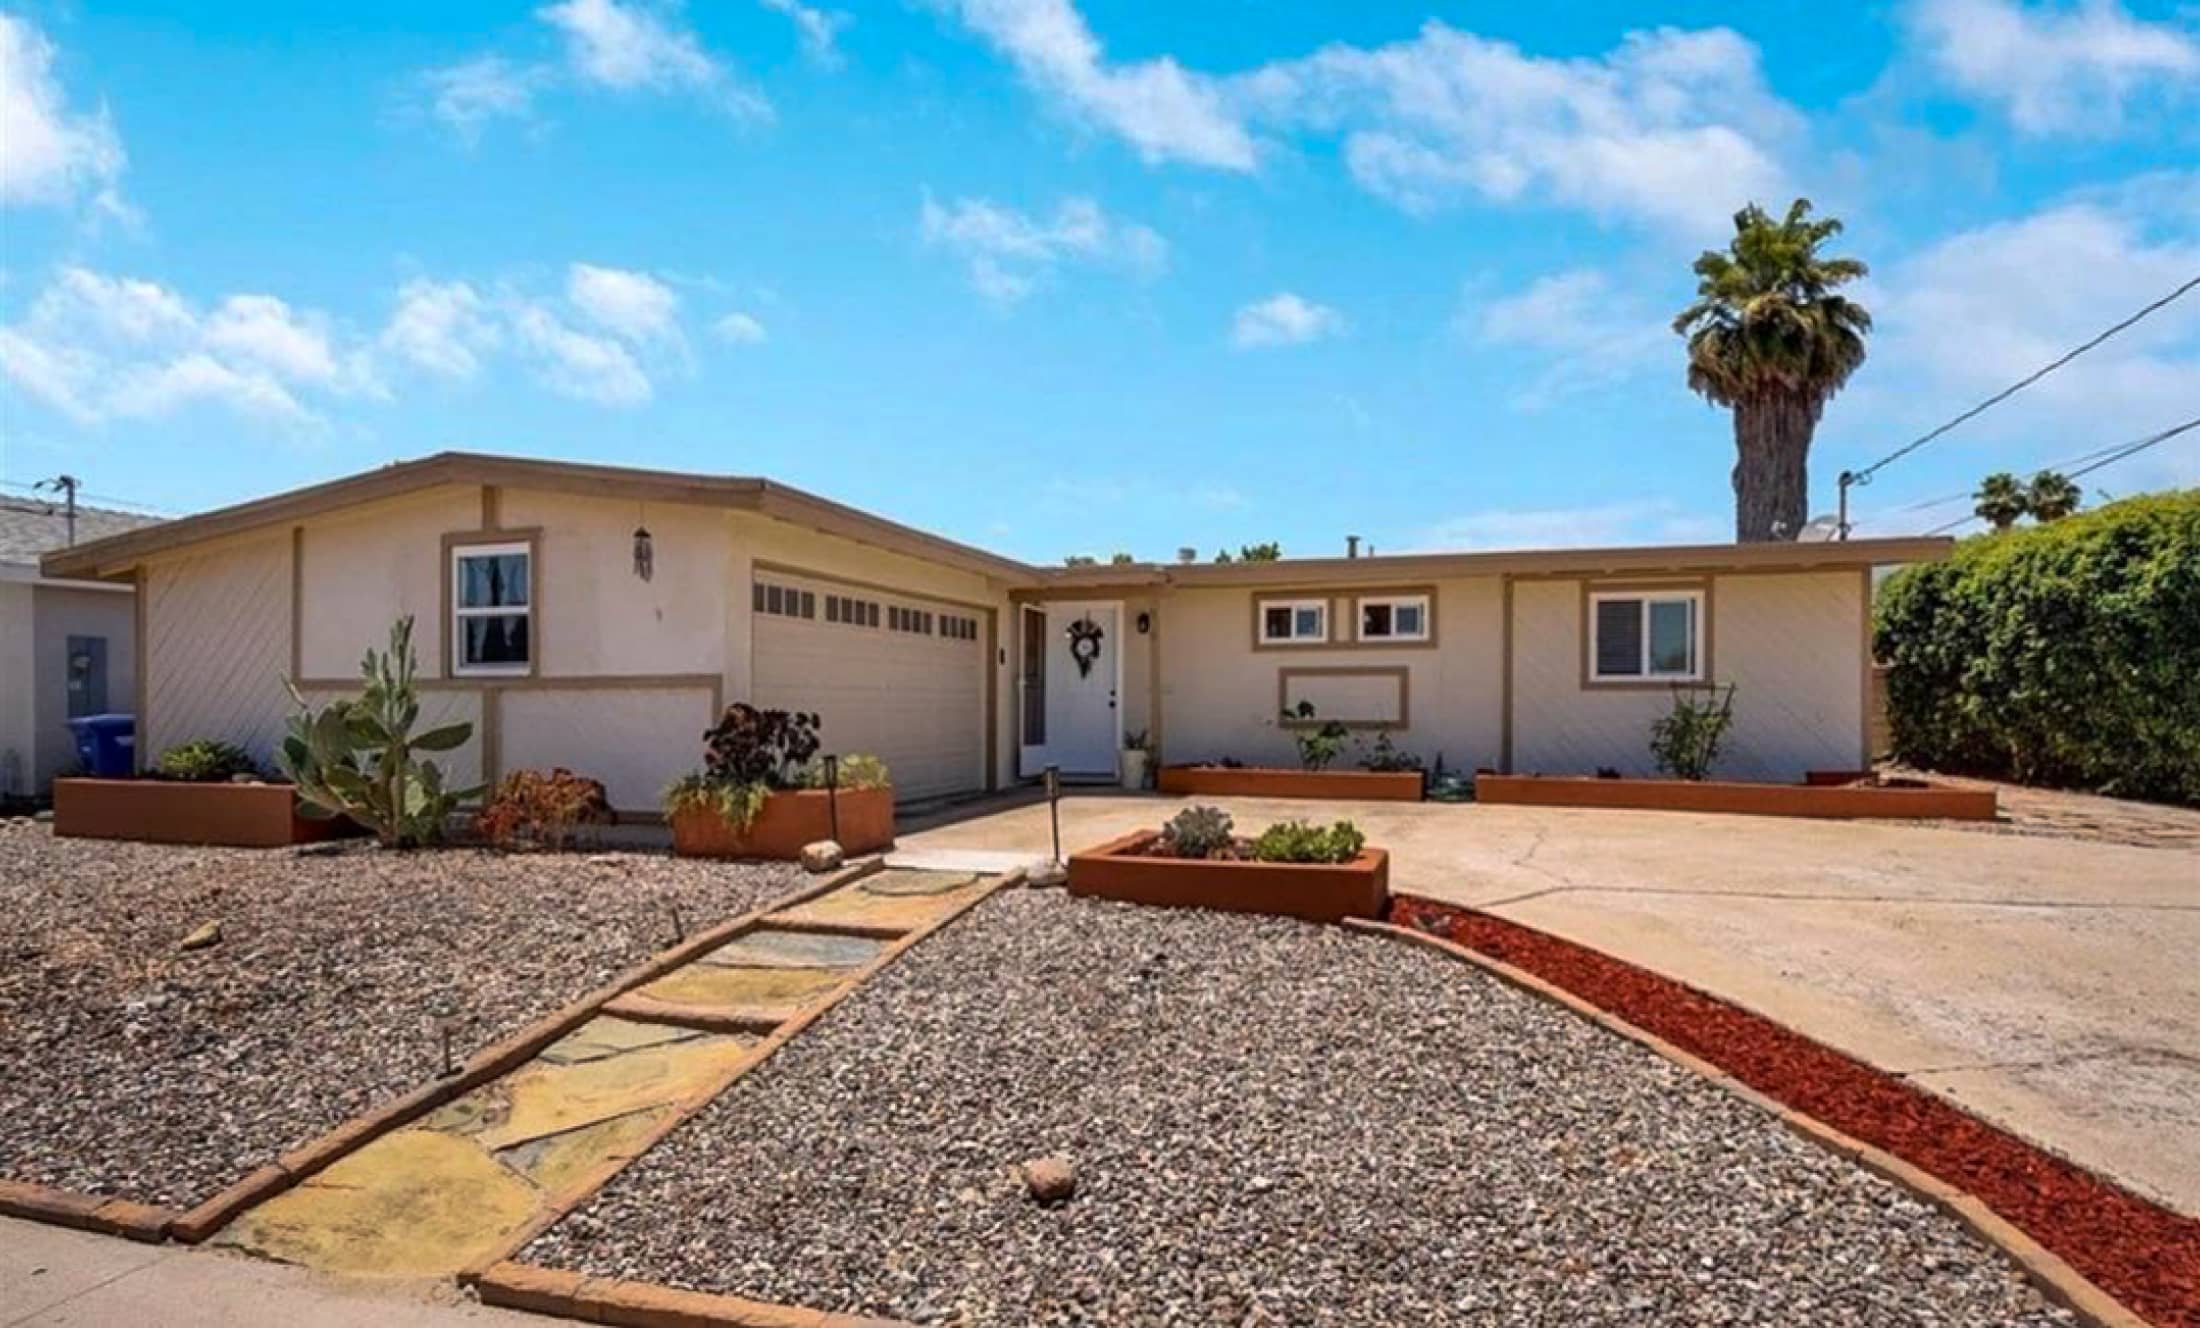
pixel 2065 654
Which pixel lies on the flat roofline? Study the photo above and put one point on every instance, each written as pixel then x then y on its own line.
pixel 113 557
pixel 1638 559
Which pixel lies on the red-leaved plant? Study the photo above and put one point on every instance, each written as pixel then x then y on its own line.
pixel 542 809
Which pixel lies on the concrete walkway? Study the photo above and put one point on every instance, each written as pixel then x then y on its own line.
pixel 2048 984
pixel 50 1277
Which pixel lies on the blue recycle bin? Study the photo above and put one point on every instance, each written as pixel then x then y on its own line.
pixel 105 743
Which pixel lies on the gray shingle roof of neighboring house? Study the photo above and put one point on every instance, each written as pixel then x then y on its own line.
pixel 32 526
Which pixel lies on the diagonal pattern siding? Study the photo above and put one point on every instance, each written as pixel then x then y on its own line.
pixel 217 644
pixel 1792 645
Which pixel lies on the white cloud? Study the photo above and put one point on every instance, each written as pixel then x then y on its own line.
pixel 1009 253
pixel 1593 334
pixel 1976 311
pixel 153 390
pixel 2058 69
pixel 1596 526
pixel 48 153
pixel 468 95
pixel 1165 111
pixel 632 305
pixel 578 365
pixel 95 347
pixel 627 48
pixel 1674 127
pixel 820 29
pixel 1283 319
pixel 443 327
pixel 740 329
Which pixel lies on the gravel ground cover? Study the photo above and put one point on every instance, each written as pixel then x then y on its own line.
pixel 135 1067
pixel 2139 1251
pixel 1271 1123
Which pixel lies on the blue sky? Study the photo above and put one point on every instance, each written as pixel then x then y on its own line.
pixel 1055 277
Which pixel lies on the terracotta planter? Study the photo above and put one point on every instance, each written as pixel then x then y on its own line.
pixel 1267 782
pixel 169 812
pixel 1318 892
pixel 787 822
pixel 1681 795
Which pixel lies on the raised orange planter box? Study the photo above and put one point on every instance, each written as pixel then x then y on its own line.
pixel 1271 782
pixel 164 811
pixel 1318 892
pixel 787 822
pixel 1682 795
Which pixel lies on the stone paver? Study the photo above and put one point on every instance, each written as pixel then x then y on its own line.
pixel 796 949
pixel 900 901
pixel 51 1277
pixel 457 1185
pixel 2045 983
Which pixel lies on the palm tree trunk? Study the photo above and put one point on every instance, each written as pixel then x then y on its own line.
pixel 1772 466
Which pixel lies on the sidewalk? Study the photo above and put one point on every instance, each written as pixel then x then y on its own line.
pixel 51 1276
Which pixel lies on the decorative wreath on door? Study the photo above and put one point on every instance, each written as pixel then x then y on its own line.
pixel 1085 637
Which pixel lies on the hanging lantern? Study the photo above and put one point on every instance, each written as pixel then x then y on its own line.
pixel 645 555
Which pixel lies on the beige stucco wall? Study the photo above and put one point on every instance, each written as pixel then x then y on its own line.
pixel 62 612
pixel 364 567
pixel 1791 643
pixel 217 645
pixel 1219 694
pixel 596 616
pixel 635 740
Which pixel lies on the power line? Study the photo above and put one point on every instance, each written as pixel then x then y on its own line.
pixel 147 508
pixel 1927 504
pixel 1864 475
pixel 2107 458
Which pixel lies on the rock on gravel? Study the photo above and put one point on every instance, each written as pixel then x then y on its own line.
pixel 1273 1123
pixel 138 1068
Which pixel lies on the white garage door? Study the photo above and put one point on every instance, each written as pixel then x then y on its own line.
pixel 894 675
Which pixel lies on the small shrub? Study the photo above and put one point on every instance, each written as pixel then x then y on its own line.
pixel 1319 744
pixel 697 791
pixel 858 770
pixel 1197 832
pixel 1383 757
pixel 206 761
pixel 752 746
pixel 1686 743
pixel 542 809
pixel 1300 841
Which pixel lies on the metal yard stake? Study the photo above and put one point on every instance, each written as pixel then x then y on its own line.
pixel 832 793
pixel 1054 808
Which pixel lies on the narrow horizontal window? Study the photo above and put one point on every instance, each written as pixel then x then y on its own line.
pixel 1394 618
pixel 1294 622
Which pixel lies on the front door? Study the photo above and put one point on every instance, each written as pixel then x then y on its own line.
pixel 1071 688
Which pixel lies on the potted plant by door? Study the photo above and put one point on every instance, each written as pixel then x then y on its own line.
pixel 1137 752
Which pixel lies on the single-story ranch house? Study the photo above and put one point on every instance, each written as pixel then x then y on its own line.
pixel 598 618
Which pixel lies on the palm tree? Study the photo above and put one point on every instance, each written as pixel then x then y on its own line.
pixel 2000 500
pixel 1769 337
pixel 2052 496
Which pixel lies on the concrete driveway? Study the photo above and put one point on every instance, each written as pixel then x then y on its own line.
pixel 2051 985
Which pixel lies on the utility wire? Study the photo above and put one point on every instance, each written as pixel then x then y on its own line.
pixel 1880 518
pixel 1864 476
pixel 2112 456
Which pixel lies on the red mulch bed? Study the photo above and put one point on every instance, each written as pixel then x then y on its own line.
pixel 2139 1252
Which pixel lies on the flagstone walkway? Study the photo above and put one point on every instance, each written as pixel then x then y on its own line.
pixel 451 1189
